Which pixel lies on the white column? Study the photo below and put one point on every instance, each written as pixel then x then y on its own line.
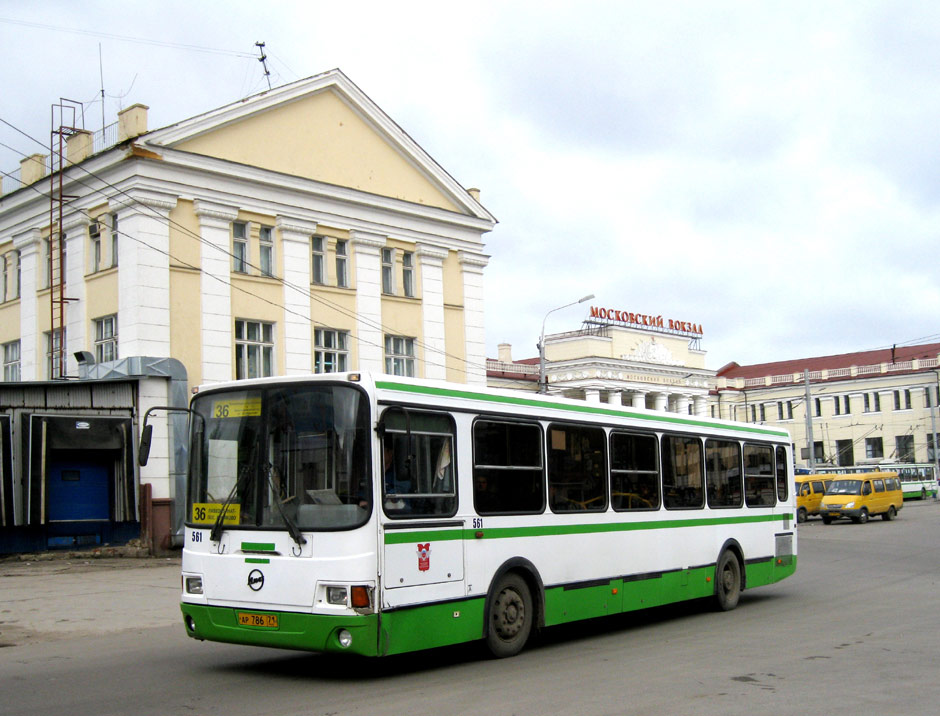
pixel 472 265
pixel 143 323
pixel 29 245
pixel 592 395
pixel 699 405
pixel 75 228
pixel 298 324
pixel 215 222
pixel 614 397
pixel 639 399
pixel 431 263
pixel 682 404
pixel 660 401
pixel 368 251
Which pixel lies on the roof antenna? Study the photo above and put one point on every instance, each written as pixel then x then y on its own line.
pixel 263 61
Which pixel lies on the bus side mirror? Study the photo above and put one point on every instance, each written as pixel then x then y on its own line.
pixel 143 451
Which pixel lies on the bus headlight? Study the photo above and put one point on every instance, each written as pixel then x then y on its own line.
pixel 336 595
pixel 193 585
pixel 849 505
pixel 345 638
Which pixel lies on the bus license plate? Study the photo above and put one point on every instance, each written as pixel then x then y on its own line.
pixel 268 621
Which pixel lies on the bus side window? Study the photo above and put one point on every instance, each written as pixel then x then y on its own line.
pixel 782 463
pixel 682 472
pixel 577 468
pixel 418 464
pixel 723 473
pixel 508 477
pixel 634 472
pixel 759 475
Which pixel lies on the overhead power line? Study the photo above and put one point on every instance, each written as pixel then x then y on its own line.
pixel 127 38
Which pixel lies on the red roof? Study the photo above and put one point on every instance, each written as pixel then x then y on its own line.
pixel 900 354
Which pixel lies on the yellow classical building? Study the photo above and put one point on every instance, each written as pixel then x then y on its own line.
pixel 298 230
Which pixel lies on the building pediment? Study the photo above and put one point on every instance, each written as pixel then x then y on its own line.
pixel 326 129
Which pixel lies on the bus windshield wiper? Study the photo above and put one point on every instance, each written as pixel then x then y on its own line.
pixel 219 527
pixel 292 529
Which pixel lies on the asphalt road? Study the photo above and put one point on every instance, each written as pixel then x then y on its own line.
pixel 855 631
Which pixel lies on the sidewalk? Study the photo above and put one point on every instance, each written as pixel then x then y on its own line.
pixel 64 596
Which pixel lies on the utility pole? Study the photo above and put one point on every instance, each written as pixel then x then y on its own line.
pixel 809 422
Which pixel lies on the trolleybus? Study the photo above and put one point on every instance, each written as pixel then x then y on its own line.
pixel 918 480
pixel 378 515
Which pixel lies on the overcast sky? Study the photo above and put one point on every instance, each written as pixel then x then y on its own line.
pixel 769 170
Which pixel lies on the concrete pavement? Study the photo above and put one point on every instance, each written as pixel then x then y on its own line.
pixel 66 596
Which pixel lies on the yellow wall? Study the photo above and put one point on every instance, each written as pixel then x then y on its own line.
pixel 320 137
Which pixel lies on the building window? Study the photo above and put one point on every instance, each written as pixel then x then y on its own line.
pixel 331 354
pixel 931 441
pixel 789 410
pixel 845 452
pixel 94 246
pixel 114 240
pixel 318 253
pixel 17 274
pixel 763 414
pixel 871 402
pixel 3 278
pixel 753 413
pixel 400 356
pixel 388 271
pixel 239 247
pixel 254 349
pixel 11 361
pixel 846 405
pixel 904 446
pixel 266 256
pixel 902 399
pixel 106 347
pixel 874 448
pixel 55 364
pixel 817 405
pixel 408 273
pixel 342 273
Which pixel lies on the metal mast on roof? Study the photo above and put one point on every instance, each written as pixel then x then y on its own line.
pixel 64 116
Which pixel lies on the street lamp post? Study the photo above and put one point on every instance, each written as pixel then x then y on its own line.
pixel 542 387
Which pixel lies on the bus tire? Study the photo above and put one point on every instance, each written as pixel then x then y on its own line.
pixel 890 514
pixel 862 516
pixel 827 519
pixel 801 514
pixel 510 616
pixel 727 581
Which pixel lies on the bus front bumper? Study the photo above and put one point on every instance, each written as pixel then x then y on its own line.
pixel 283 630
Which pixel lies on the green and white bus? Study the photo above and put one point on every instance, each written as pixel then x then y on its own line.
pixel 377 515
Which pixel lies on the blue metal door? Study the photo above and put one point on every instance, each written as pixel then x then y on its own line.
pixel 78 490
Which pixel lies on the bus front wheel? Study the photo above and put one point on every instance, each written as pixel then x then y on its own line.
pixel 727 581
pixel 510 617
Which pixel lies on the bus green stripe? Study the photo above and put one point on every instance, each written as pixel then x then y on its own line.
pixel 586 408
pixel 257 560
pixel 579 529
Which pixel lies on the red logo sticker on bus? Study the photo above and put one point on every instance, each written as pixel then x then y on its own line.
pixel 424 557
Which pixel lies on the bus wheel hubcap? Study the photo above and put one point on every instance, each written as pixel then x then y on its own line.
pixel 510 614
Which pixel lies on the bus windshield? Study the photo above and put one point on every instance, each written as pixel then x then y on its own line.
pixel 845 487
pixel 281 455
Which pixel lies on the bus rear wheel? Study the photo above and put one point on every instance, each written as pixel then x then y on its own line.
pixel 801 514
pixel 727 582
pixel 510 617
